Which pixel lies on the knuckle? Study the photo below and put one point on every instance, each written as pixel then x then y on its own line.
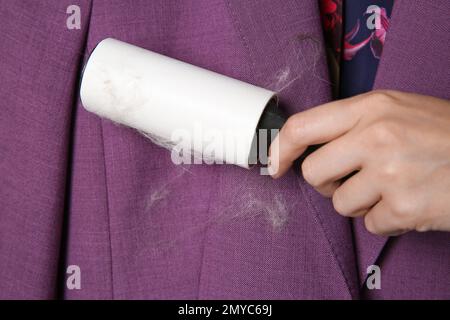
pixel 294 127
pixel 383 134
pixel 339 203
pixel 389 172
pixel 423 226
pixel 308 172
pixel 381 98
pixel 377 101
pixel 370 225
pixel 402 209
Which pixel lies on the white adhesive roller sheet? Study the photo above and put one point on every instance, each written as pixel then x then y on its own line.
pixel 163 97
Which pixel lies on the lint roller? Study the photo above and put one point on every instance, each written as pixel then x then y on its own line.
pixel 171 100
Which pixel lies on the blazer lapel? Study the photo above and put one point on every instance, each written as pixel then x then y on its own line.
pixel 415 55
pixel 408 64
pixel 284 44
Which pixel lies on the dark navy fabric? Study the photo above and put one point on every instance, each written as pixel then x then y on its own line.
pixel 361 55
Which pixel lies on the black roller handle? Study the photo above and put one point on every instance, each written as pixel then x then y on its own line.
pixel 274 118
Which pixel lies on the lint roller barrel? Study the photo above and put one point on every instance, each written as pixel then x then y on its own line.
pixel 162 96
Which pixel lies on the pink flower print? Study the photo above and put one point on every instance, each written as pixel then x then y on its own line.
pixel 376 38
pixel 379 35
pixel 351 49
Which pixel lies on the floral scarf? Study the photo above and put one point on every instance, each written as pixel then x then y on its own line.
pixel 355 32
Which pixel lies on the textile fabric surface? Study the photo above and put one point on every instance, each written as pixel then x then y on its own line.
pixel 79 190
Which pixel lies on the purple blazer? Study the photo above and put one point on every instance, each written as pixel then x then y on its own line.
pixel 78 190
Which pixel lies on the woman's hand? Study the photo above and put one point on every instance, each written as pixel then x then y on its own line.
pixel 397 143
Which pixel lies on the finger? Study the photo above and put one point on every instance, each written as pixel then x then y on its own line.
pixel 380 221
pixel 356 195
pixel 314 126
pixel 329 189
pixel 332 162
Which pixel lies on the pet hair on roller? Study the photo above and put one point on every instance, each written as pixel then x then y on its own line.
pixel 159 95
